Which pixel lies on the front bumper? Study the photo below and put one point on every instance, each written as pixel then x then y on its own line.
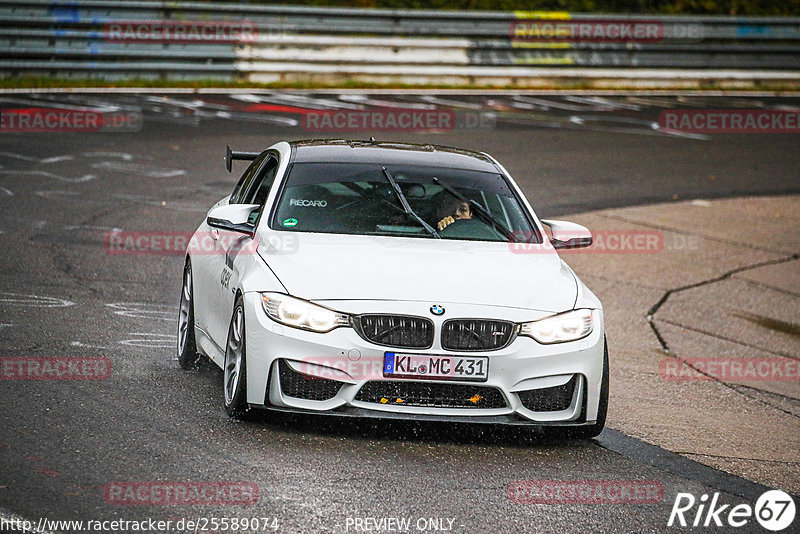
pixel 528 383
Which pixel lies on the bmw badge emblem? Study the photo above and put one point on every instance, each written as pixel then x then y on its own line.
pixel 437 310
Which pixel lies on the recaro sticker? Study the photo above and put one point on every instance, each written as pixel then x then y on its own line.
pixel 308 203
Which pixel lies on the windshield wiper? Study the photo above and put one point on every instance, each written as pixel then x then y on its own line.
pixel 406 206
pixel 479 210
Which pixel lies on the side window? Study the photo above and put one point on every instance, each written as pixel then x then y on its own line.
pixel 259 188
pixel 245 181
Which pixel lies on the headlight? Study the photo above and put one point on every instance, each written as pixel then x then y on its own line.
pixel 567 326
pixel 302 314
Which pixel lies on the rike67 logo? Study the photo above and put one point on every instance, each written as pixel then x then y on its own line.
pixel 774 510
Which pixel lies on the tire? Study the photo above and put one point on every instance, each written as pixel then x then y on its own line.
pixel 590 431
pixel 187 344
pixel 234 372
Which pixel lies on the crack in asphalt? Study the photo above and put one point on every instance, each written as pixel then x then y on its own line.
pixel 665 347
pixel 778 397
pixel 729 339
pixel 773 393
pixel 70 270
pixel 770 287
pixel 652 311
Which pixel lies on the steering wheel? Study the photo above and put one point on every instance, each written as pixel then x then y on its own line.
pixel 469 229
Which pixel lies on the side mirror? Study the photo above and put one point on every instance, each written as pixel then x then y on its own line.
pixel 234 217
pixel 568 235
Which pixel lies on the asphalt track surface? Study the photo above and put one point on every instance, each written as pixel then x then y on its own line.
pixel 62 294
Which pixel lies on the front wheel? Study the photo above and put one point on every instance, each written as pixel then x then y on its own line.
pixel 235 369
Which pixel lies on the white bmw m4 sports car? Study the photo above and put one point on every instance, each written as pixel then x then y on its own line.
pixel 390 280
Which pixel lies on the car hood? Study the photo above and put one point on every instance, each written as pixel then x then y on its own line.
pixel 342 267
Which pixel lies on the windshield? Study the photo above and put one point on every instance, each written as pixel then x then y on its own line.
pixel 429 202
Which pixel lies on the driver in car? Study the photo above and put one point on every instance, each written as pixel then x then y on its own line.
pixel 453 211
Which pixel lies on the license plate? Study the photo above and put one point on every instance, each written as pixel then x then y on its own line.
pixel 399 365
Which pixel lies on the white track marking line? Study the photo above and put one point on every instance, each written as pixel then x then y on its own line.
pixel 554 104
pixel 602 102
pixel 84 178
pixel 363 99
pixel 23 157
pixel 143 310
pixel 92 227
pixel 55 159
pixel 56 194
pixel 87 346
pixel 123 155
pixel 450 102
pixel 149 340
pixel 33 301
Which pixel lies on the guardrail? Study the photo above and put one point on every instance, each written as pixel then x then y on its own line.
pixel 102 39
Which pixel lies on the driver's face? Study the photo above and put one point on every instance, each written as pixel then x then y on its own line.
pixel 463 211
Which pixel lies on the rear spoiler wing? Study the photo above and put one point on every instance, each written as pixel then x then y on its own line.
pixel 231 155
